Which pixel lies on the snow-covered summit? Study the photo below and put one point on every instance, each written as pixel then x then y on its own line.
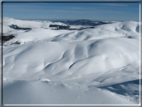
pixel 90 66
pixel 42 31
pixel 25 23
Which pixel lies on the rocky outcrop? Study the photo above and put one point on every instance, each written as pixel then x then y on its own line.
pixel 7 38
pixel 60 27
pixel 18 28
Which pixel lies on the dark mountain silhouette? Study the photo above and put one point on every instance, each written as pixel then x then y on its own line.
pixel 82 22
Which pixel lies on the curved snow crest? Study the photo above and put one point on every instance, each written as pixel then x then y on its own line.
pixel 82 64
pixel 35 35
pixel 129 29
pixel 25 23
pixel 77 59
pixel 105 43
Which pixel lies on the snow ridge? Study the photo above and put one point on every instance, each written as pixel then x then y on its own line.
pixel 83 64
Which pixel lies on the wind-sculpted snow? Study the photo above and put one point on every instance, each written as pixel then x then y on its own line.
pixel 81 64
pixel 115 30
pixel 25 23
pixel 78 58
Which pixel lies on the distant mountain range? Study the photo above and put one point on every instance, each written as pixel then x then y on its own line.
pixel 83 22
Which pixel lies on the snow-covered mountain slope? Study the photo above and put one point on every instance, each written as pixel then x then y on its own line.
pixel 115 30
pixel 52 55
pixel 72 67
pixel 119 29
pixel 26 23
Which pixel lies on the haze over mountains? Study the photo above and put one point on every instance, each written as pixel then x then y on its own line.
pixel 87 63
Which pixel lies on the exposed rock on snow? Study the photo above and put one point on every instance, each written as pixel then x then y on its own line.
pixel 18 28
pixel 7 38
pixel 71 67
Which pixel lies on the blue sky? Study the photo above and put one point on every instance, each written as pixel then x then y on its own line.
pixel 59 11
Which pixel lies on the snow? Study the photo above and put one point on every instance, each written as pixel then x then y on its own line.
pixel 71 67
pixel 115 30
pixel 26 23
pixel 59 94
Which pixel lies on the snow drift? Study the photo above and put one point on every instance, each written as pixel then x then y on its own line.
pixel 78 63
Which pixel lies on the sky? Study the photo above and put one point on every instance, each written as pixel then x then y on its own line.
pixel 73 11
